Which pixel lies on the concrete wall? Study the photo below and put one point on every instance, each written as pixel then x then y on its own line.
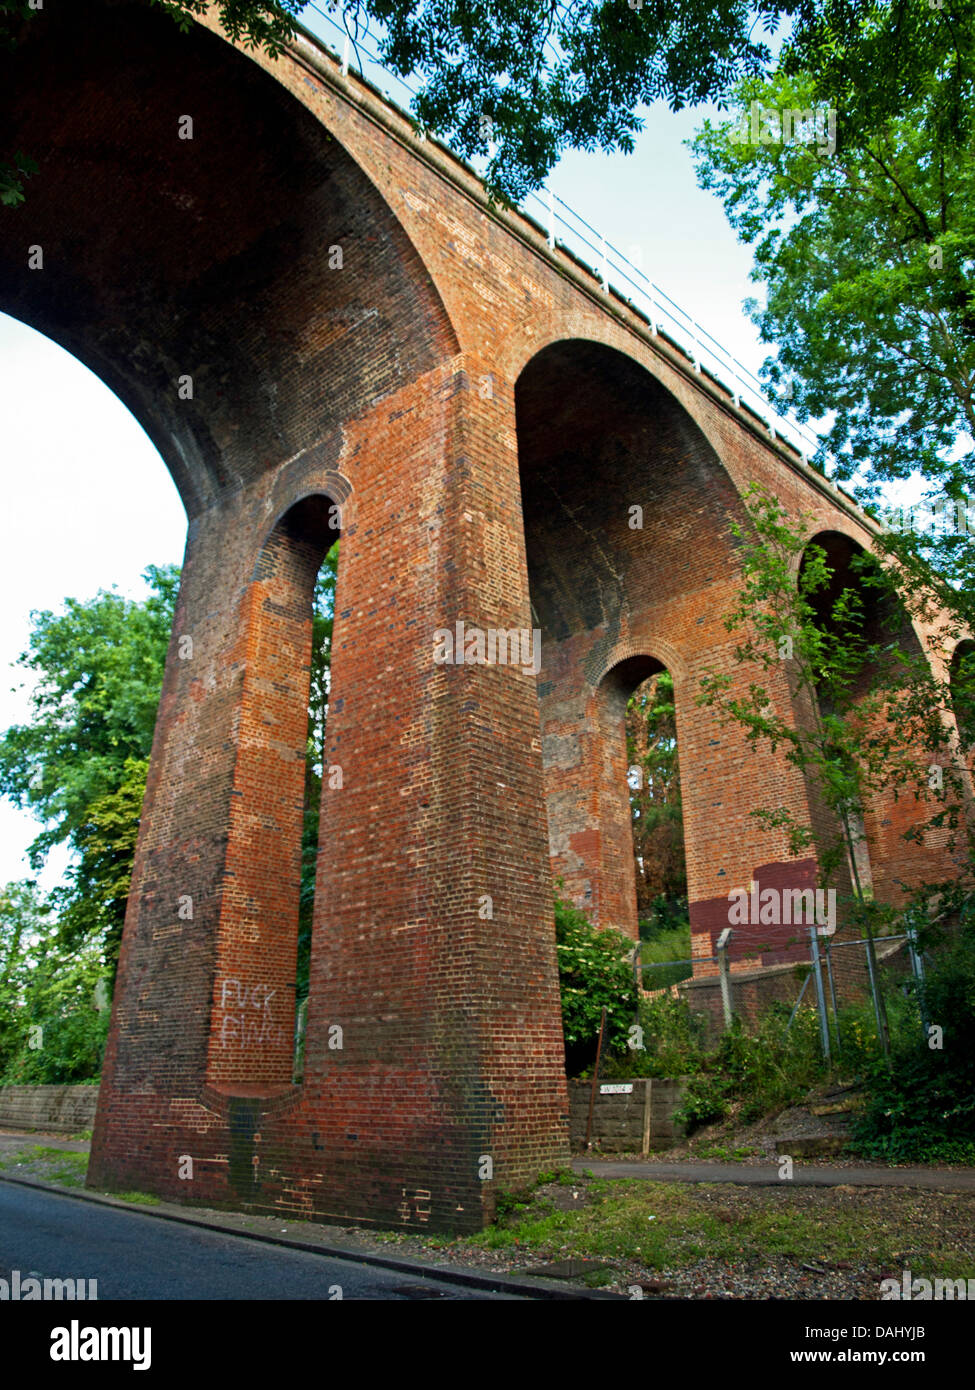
pixel 65 1109
pixel 628 1116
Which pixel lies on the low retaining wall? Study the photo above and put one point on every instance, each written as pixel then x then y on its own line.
pixel 66 1109
pixel 628 1116
pixel 752 991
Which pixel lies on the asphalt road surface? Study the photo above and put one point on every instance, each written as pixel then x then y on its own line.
pixel 134 1257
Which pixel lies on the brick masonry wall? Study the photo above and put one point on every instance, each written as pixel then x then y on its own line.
pixel 485 416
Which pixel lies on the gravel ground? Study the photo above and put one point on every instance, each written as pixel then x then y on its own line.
pixel 920 1221
pixel 705 1278
pixel 709 1279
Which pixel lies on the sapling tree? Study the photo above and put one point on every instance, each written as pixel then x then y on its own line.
pixel 867 715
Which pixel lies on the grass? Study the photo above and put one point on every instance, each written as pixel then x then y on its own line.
pixel 66 1168
pixel 62 1166
pixel 668 1225
pixel 724 1153
pixel 665 946
pixel 565 1177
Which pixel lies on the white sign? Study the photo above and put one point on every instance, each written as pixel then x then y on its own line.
pixel 623 1090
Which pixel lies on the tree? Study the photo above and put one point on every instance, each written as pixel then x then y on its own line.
pixel 79 765
pixel 867 706
pixel 865 245
pixel 655 799
pixel 54 1000
pixel 595 971
pixel 92 900
pixel 22 920
pixel 521 81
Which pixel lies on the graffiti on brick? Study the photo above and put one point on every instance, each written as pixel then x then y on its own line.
pixel 248 1019
pixel 415 1207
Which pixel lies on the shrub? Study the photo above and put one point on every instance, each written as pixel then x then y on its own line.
pixel 765 1071
pixel 922 1108
pixel 593 972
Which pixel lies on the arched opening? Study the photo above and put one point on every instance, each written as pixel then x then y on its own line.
pixel 962 680
pixel 660 861
pixel 89 571
pixel 261 975
pixel 626 510
pixel 858 609
pixel 250 291
pixel 318 774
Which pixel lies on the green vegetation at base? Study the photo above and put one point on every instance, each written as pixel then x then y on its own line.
pixel 920 1107
pixel 668 1225
pixel 661 945
pixel 54 999
pixel 594 973
pixel 762 1072
pixel 64 1167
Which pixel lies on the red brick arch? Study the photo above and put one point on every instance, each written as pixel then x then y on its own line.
pixel 598 435
pixel 453 374
pixel 886 859
pixel 213 258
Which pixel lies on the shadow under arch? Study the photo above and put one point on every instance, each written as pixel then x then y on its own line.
pixel 626 510
pixel 882 859
pixel 961 675
pixel 252 1020
pixel 243 291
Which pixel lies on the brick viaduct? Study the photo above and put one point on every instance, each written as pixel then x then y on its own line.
pixel 480 416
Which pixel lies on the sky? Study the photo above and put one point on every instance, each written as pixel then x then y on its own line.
pixel 90 503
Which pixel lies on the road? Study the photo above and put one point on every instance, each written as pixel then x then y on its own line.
pixel 770 1175
pixel 134 1256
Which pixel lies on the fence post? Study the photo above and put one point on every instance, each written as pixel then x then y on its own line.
pixel 647 1114
pixel 722 950
pixel 832 989
pixel 918 967
pixel 875 995
pixel 595 1078
pixel 820 992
